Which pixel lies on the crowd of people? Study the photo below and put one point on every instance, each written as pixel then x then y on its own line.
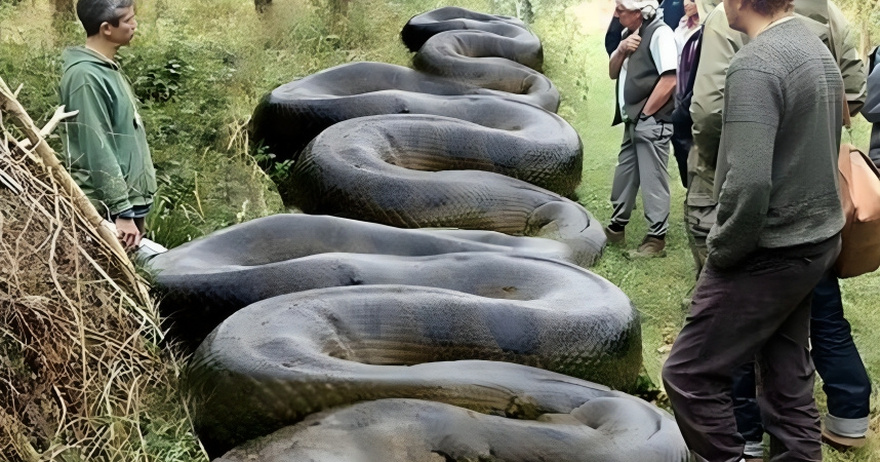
pixel 752 96
pixel 762 90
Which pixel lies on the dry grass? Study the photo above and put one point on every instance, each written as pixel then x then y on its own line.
pixel 82 375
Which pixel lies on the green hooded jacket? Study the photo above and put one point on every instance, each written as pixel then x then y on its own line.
pixel 105 145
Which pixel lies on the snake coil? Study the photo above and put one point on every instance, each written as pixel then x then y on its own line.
pixel 468 140
pixel 417 345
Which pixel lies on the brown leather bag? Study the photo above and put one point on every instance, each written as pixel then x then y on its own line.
pixel 860 195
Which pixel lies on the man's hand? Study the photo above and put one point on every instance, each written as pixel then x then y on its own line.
pixel 628 45
pixel 128 233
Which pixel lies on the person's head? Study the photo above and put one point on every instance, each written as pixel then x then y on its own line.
pixel 632 13
pixel 107 17
pixel 742 14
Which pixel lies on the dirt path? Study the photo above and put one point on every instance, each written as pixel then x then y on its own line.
pixel 594 15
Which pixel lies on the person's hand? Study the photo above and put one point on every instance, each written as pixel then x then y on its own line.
pixel 128 233
pixel 628 45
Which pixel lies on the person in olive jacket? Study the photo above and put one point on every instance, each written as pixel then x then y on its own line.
pixel 105 145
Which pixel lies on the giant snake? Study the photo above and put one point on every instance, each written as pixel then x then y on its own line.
pixel 467 140
pixel 380 337
pixel 318 312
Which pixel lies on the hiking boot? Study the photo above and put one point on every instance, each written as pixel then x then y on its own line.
pixel 841 443
pixel 650 247
pixel 614 237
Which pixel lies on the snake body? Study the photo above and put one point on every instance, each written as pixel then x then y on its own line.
pixel 206 280
pixel 318 313
pixel 283 358
pixel 468 140
pixel 397 344
pixel 600 430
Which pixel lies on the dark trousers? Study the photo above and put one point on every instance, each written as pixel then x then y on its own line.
pixel 682 140
pixel 845 380
pixel 759 310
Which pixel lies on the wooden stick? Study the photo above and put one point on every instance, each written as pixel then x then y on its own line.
pixel 97 225
pixel 50 126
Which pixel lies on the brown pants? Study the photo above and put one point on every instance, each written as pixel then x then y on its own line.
pixel 758 310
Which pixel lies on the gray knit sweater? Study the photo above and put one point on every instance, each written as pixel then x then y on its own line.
pixel 776 179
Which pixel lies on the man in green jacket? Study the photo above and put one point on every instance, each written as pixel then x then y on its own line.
pixel 105 147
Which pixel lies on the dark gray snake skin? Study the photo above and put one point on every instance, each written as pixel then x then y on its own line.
pixel 203 282
pixel 354 341
pixel 489 322
pixel 600 430
pixel 468 140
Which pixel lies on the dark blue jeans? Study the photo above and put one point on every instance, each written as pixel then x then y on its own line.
pixel 846 383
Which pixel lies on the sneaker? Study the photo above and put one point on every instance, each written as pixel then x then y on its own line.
pixel 614 237
pixel 754 451
pixel 650 247
pixel 841 443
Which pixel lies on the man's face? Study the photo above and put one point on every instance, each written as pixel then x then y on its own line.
pixel 122 34
pixel 631 19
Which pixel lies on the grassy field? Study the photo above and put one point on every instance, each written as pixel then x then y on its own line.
pixel 200 66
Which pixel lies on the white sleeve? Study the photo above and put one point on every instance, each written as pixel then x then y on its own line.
pixel 663 50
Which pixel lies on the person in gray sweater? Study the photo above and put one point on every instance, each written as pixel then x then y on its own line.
pixel 777 233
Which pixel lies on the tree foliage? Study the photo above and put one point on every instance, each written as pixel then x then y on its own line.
pixel 865 19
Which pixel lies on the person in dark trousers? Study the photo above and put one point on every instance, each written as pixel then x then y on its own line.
pixel 105 145
pixel 834 353
pixel 776 235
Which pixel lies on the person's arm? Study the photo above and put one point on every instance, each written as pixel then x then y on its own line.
pixel 661 93
pixel 92 130
pixel 719 45
pixel 852 68
pixel 626 47
pixel 128 233
pixel 745 165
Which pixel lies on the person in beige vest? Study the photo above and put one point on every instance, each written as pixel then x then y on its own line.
pixel 644 65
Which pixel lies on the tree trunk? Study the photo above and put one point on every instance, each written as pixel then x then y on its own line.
pixel 865 39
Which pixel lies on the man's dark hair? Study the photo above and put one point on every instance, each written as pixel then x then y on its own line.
pixel 93 13
pixel 771 7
